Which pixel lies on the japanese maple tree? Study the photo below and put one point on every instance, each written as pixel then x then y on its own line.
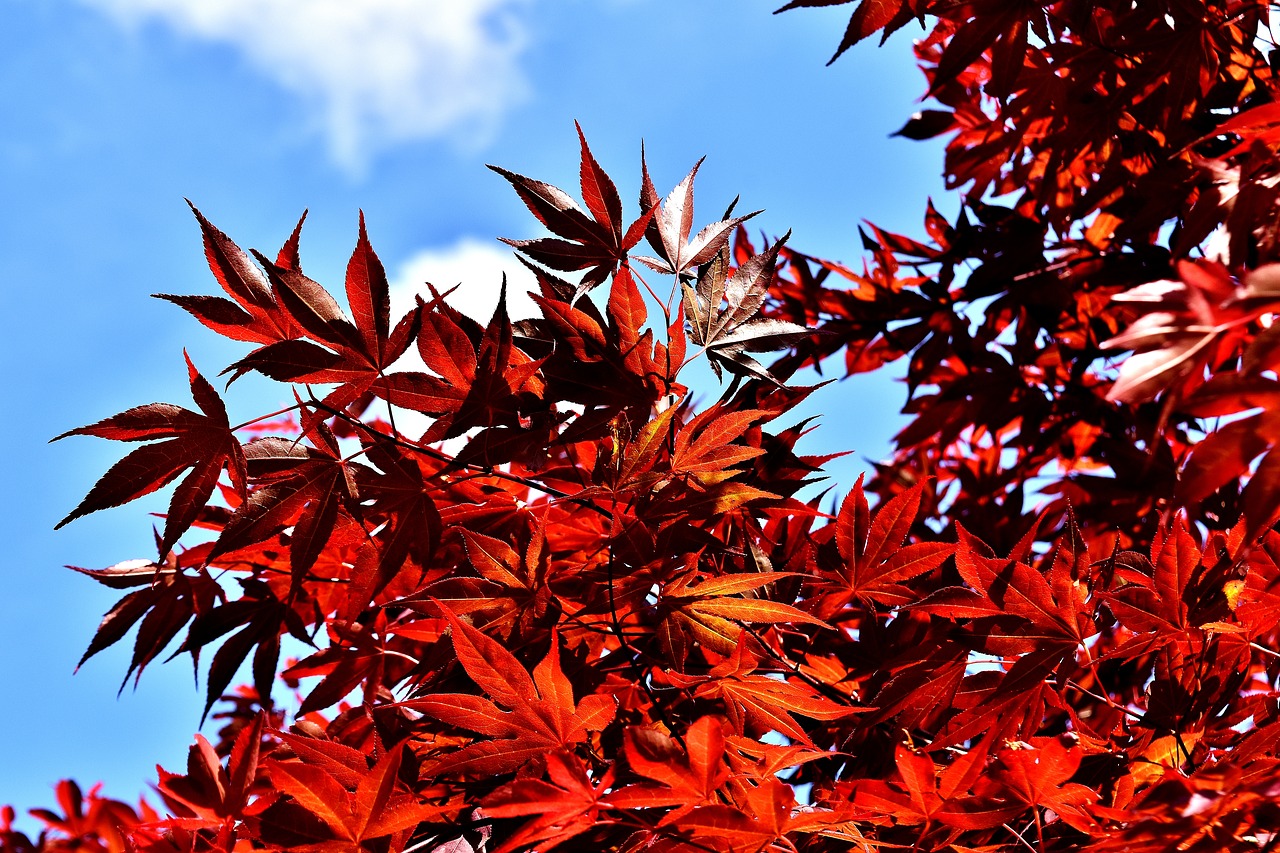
pixel 550 600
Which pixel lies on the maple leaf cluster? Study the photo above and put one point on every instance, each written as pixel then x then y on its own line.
pixel 1117 169
pixel 546 600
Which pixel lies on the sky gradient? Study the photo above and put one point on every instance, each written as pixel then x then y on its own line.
pixel 117 110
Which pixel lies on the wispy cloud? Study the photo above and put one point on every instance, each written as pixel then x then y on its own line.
pixel 477 267
pixel 379 71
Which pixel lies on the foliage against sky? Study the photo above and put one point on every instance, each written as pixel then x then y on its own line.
pixel 576 607
pixel 113 126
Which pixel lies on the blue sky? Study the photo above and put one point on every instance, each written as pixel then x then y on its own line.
pixel 115 110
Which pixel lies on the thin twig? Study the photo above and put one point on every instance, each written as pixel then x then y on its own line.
pixel 1012 831
pixel 261 418
pixel 1106 699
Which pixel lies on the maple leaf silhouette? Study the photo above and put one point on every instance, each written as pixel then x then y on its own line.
pixel 728 333
pixel 256 314
pixel 166 600
pixel 596 243
pixel 868 18
pixel 202 442
pixel 351 355
pixel 668 233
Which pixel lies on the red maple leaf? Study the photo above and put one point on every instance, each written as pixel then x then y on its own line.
pixel 201 441
pixel 541 714
pixel 566 806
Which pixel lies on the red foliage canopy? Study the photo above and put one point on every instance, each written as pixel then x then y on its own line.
pixel 572 611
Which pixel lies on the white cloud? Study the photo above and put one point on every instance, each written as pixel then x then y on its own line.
pixel 379 71
pixel 478 268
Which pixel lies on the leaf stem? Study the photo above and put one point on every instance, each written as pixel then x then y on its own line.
pixel 1015 834
pixel 1105 699
pixel 666 308
pixel 1266 651
pixel 267 416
